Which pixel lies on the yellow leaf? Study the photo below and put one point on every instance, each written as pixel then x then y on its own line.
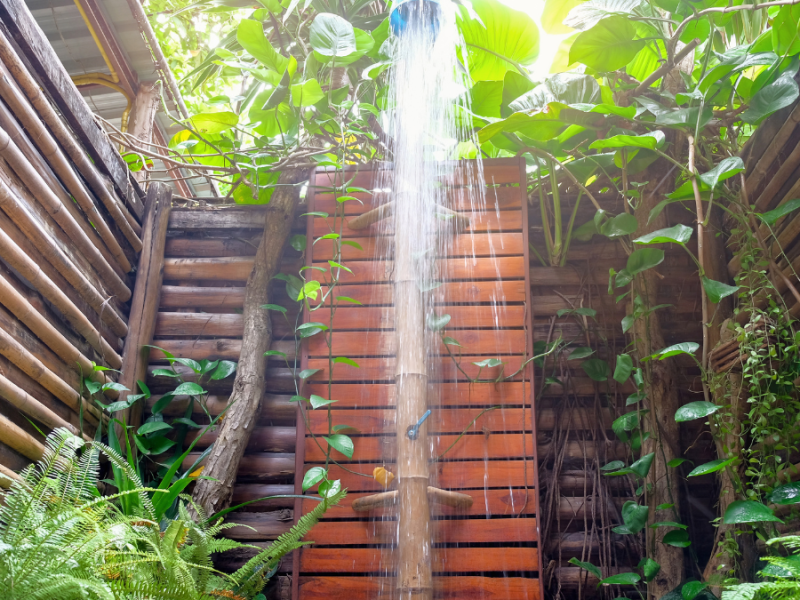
pixel 383 476
pixel 197 472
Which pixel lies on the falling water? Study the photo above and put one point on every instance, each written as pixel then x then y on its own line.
pixel 426 118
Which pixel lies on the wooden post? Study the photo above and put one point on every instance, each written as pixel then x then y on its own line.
pixel 146 294
pixel 414 576
pixel 145 107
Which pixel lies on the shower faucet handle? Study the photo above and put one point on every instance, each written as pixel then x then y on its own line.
pixel 413 430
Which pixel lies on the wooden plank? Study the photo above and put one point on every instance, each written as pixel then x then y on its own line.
pixel 451 292
pixel 170 324
pixel 218 217
pixel 446 475
pixel 450 588
pixel 261 466
pixel 219 349
pixel 376 369
pixel 238 269
pixel 471 446
pixel 445 560
pixel 477 245
pixel 40 55
pixel 444 394
pixel 497 198
pixel 503 221
pixel 174 296
pixel 264 439
pixel 377 343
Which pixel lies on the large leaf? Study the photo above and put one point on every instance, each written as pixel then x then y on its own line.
pixel 642 466
pixel 507 32
pixel 771 217
pixel 785 38
pixel 313 476
pixel 250 34
pixel 634 517
pixel 211 123
pixel 307 93
pixel 676 349
pixel 607 46
pixel 567 88
pixel 677 234
pixel 786 494
pixel 770 98
pixel 748 511
pixel 588 566
pixel 342 443
pixel 677 538
pixel 332 36
pixel 727 168
pixel 622 224
pixel 650 140
pixel 643 259
pixel 716 290
pixel 621 579
pixel 554 13
pixel 588 14
pixel 623 368
pixel 542 125
pixel 597 369
pixel 188 388
pixel 712 467
pixel 649 567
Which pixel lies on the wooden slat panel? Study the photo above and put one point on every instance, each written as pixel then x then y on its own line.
pixel 450 588
pixel 375 343
pixel 448 420
pixel 446 394
pixel 497 198
pixel 474 447
pixel 503 221
pixel 478 245
pixel 467 292
pixel 376 369
pixel 445 560
pixel 453 476
pixel 363 533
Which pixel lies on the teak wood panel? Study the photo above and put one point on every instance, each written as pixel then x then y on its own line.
pixel 495 461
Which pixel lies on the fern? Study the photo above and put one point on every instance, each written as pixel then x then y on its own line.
pixel 782 576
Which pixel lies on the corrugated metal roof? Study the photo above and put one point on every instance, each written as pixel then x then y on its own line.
pixel 70 37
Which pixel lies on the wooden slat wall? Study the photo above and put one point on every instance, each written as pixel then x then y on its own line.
pixel 489 551
pixel 64 287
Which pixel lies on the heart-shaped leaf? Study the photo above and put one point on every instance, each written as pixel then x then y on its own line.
pixel 727 168
pixel 341 442
pixel 712 467
pixel 188 388
pixel 771 217
pixel 623 368
pixel 224 369
pixel 677 234
pixel 716 290
pixel 643 259
pixel 597 369
pixel 695 410
pixel 677 538
pixel 748 511
pixel 438 322
pixel 152 427
pixel 313 476
pixel 786 494
pixel 317 401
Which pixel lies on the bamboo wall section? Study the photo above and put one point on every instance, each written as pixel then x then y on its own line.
pixel 68 246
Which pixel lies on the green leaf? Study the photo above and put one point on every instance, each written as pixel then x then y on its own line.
pixel 504 31
pixel 621 578
pixel 188 362
pixel 307 93
pixel 346 361
pixel 677 234
pixel 643 259
pixel 695 410
pixel 748 511
pixel 211 123
pixel 449 341
pixel 188 423
pixel 162 403
pixel 250 34
pixel 582 352
pixel 597 369
pixel 488 363
pixel 224 369
pixel 587 15
pixel 676 349
pixel 332 36
pixel 649 567
pixel 712 467
pixel 677 538
pixel 341 442
pixel 188 388
pixel 438 322
pixel 554 13
pixel 348 299
pixel 691 589
pixel 771 217
pixel 676 462
pixel 306 373
pixel 298 242
pixel 650 140
pixel 587 566
pixel 326 489
pixel 668 524
pixel 727 168
pixel 785 39
pixel 565 88
pixel 313 476
pixel 608 46
pixel 623 368
pixel 317 401
pixel 309 290
pixel 306 330
pixel 152 427
pixel 771 98
pixel 614 465
pixel 786 494
pixel 716 290
pixel 622 224
pixel 642 466
pixel 277 307
pixel 627 323
pixel 634 517
pixel 542 125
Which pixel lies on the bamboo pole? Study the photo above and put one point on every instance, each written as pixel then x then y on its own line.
pixel 147 293
pixel 17 259
pixel 20 440
pixel 414 574
pixel 51 203
pixel 32 407
pixel 36 370
pixel 47 332
pixel 96 181
pixel 7 477
pixel 55 157
pixel 17 212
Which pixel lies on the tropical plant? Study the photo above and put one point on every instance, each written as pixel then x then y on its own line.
pixel 59 538
pixel 780 577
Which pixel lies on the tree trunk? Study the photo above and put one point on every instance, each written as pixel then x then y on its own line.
pixel 662 402
pixel 248 387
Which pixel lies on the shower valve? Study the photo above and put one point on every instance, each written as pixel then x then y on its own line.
pixel 413 430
